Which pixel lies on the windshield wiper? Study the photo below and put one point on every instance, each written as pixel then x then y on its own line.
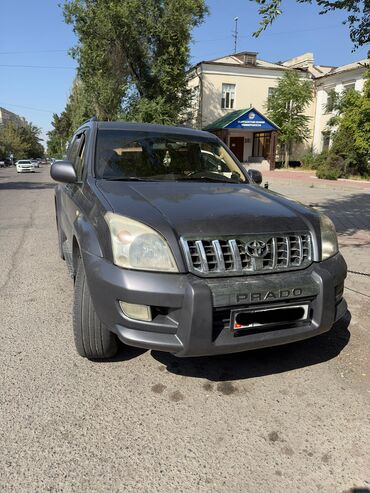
pixel 209 179
pixel 128 178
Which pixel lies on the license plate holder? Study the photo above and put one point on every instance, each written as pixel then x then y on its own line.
pixel 263 317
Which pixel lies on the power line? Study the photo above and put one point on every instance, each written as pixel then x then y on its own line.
pixel 36 66
pixel 292 31
pixel 210 40
pixel 31 51
pixel 26 107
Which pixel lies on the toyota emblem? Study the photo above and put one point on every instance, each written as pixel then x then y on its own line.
pixel 256 249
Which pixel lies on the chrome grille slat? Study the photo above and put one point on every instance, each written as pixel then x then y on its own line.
pixel 236 255
pixel 219 255
pixel 202 255
pixel 230 256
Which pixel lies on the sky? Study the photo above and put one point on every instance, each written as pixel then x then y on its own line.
pixel 36 71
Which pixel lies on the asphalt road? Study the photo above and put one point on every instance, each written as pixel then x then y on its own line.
pixel 288 419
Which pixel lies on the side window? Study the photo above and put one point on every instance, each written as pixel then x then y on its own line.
pixel 77 154
pixel 80 164
pixel 73 149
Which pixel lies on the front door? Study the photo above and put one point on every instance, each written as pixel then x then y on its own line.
pixel 237 147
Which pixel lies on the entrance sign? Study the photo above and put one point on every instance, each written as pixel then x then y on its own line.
pixel 252 120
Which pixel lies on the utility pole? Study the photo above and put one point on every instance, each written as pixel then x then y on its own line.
pixel 235 33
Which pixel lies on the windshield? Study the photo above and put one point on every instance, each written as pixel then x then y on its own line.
pixel 154 156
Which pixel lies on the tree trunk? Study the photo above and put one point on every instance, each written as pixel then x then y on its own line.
pixel 286 156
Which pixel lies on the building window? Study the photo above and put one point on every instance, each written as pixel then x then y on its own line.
pixel 228 96
pixel 270 93
pixel 250 59
pixel 331 97
pixel 325 140
pixel 261 144
pixel 349 84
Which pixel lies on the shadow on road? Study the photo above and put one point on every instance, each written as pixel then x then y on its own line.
pixel 262 362
pixel 251 364
pixel 350 214
pixel 26 185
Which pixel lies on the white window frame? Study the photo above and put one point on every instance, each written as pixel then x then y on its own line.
pixel 270 91
pixel 349 84
pixel 228 96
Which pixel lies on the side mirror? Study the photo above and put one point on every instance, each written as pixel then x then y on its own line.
pixel 255 175
pixel 63 171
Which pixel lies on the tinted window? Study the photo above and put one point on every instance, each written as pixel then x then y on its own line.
pixel 80 158
pixel 163 157
pixel 77 154
pixel 73 149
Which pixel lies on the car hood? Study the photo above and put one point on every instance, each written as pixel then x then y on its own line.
pixel 207 209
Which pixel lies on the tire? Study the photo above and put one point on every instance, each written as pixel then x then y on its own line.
pixel 92 339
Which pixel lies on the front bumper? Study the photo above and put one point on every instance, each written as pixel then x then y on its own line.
pixel 25 170
pixel 191 313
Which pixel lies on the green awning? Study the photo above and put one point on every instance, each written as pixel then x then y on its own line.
pixel 245 119
pixel 224 121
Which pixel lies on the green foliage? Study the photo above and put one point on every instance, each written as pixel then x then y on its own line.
pixel 358 15
pixel 327 173
pixel 351 134
pixel 58 137
pixel 312 160
pixel 133 55
pixel 79 108
pixel 21 141
pixel 286 107
pixel 308 160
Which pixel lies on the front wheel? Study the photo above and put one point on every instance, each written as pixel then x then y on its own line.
pixel 92 339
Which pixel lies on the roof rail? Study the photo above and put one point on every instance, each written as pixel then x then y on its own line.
pixel 92 119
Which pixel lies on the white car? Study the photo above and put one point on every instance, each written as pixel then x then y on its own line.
pixel 25 165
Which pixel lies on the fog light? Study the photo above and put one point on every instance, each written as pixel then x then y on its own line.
pixel 137 312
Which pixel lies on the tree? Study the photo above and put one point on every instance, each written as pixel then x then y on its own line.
pixel 133 56
pixel 286 107
pixel 351 130
pixel 58 137
pixel 11 141
pixel 22 141
pixel 79 108
pixel 358 15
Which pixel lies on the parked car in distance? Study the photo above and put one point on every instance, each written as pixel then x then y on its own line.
pixel 2 163
pixel 25 165
pixel 173 247
pixel 35 162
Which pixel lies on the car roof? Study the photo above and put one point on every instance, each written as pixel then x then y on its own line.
pixel 151 127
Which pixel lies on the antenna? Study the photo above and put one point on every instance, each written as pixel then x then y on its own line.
pixel 235 33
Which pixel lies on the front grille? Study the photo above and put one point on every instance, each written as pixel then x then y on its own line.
pixel 248 254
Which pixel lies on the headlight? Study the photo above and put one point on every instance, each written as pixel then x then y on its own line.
pixel 136 246
pixel 329 241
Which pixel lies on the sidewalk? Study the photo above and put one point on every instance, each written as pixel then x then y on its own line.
pixel 308 177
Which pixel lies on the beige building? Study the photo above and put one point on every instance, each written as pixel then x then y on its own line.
pixel 243 81
pixel 7 116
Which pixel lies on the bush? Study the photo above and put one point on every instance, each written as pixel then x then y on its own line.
pixel 310 160
pixel 326 173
